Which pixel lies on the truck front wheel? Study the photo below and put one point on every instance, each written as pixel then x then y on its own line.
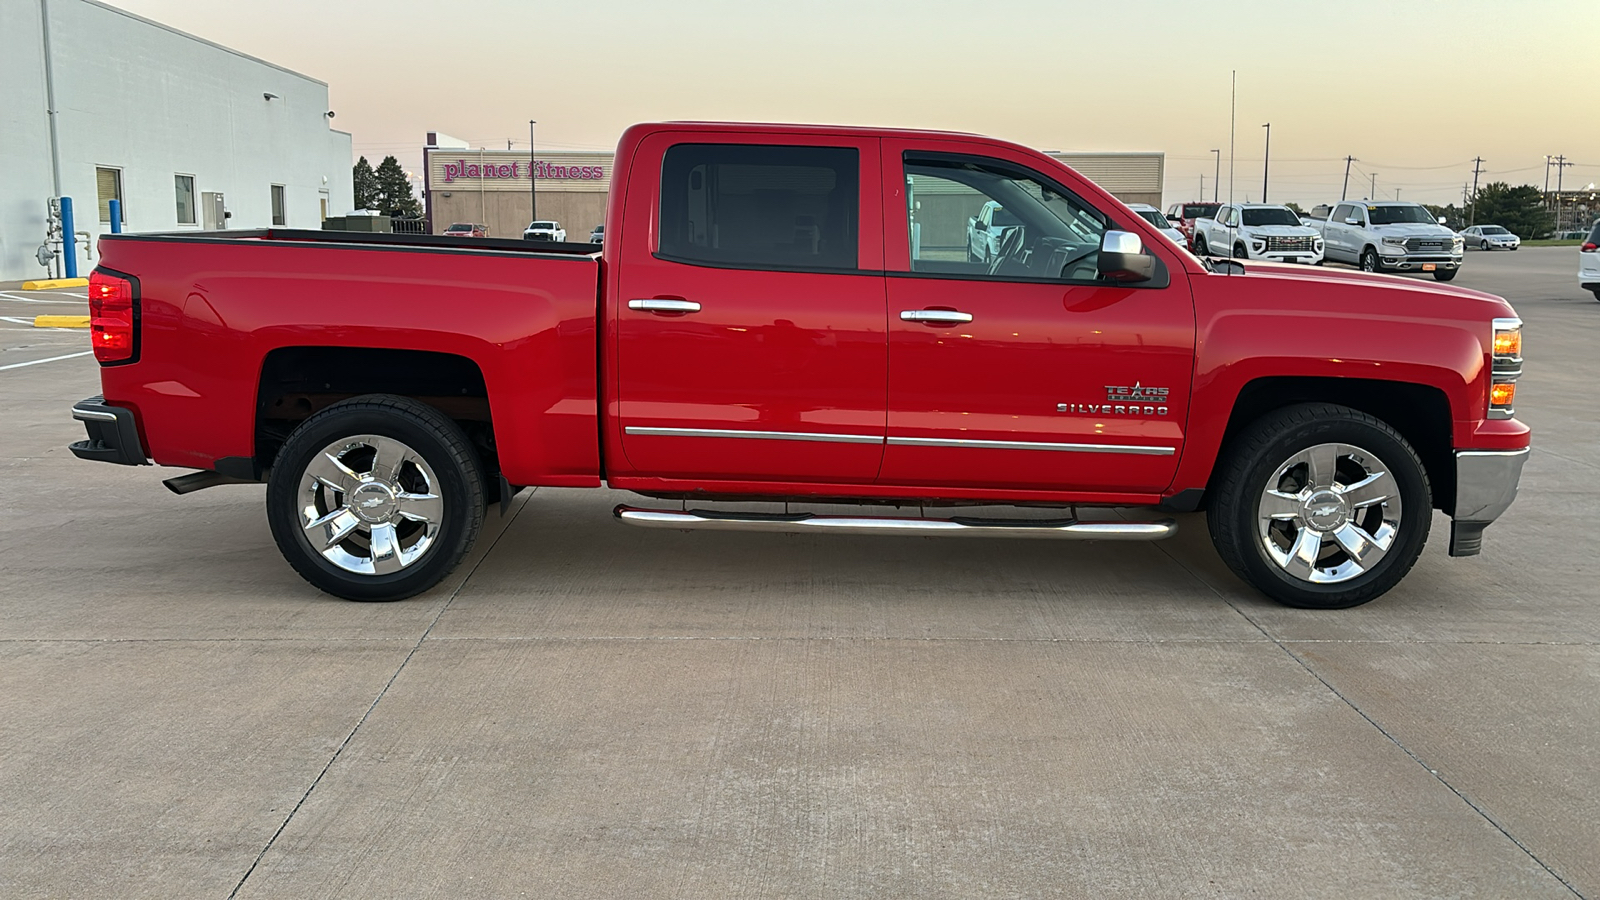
pixel 1369 261
pixel 1200 248
pixel 376 498
pixel 1320 506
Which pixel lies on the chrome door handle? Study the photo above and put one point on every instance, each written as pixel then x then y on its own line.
pixel 657 305
pixel 935 316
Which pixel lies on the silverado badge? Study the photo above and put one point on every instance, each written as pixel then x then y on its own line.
pixel 1122 400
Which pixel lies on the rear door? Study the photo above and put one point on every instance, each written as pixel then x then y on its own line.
pixel 750 315
pixel 1027 372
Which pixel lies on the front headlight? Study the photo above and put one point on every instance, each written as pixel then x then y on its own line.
pixel 1457 241
pixel 1506 351
pixel 1395 241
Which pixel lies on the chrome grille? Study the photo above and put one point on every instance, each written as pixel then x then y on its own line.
pixel 1279 244
pixel 1427 243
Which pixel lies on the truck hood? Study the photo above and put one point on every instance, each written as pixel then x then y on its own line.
pixel 1494 305
pixel 1412 229
pixel 1282 231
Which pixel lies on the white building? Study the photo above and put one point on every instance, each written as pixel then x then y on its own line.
pixel 179 129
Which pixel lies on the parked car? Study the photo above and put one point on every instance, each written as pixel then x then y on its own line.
pixel 1379 236
pixel 467 229
pixel 986 231
pixel 598 234
pixel 1154 217
pixel 1183 216
pixel 544 230
pixel 1258 231
pixel 1589 262
pixel 1490 237
pixel 754 335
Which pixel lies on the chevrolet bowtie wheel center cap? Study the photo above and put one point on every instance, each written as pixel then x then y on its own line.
pixel 373 502
pixel 1326 511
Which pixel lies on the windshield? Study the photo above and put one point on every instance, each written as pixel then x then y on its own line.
pixel 1154 218
pixel 551 226
pixel 1493 229
pixel 459 228
pixel 1200 210
pixel 1001 217
pixel 1270 215
pixel 1409 214
pixel 599 228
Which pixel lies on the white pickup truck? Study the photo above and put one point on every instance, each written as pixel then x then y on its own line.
pixel 1257 231
pixel 1383 236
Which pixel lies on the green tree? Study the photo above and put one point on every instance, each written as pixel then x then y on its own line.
pixel 1520 210
pixel 1295 208
pixel 365 182
pixel 395 198
pixel 1454 216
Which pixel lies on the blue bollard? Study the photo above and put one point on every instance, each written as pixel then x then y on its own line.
pixel 69 238
pixel 116 216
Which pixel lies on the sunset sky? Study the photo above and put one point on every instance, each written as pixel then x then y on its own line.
pixel 1414 89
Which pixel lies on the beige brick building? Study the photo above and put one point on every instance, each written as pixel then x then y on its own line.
pixel 492 187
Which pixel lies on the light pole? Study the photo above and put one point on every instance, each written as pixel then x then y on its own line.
pixel 1265 160
pixel 533 177
pixel 1216 181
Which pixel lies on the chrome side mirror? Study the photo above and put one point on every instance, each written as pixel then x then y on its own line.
pixel 1352 221
pixel 1441 220
pixel 1122 258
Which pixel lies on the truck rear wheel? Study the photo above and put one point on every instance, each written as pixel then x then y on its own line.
pixel 1320 506
pixel 376 498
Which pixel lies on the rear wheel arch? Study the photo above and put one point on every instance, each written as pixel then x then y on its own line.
pixel 296 383
pixel 1419 412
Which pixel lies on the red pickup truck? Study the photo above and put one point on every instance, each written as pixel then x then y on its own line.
pixel 789 313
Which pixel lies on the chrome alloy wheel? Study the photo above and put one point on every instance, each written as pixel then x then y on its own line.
pixel 1329 513
pixel 370 504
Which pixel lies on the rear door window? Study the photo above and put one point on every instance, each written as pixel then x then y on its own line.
pixel 753 206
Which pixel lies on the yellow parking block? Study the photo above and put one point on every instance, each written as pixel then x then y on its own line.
pixel 54 284
pixel 61 321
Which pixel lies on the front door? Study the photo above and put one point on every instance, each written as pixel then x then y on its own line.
pixel 751 340
pixel 1027 371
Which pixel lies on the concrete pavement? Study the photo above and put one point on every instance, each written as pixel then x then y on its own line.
pixel 588 710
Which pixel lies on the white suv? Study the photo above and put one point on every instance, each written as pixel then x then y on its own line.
pixel 544 230
pixel 1589 262
pixel 1258 231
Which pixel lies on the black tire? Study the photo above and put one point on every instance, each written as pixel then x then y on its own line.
pixel 1370 261
pixel 1444 274
pixel 1256 455
pixel 1200 247
pixel 1239 252
pixel 425 433
pixel 1596 293
pixel 1483 245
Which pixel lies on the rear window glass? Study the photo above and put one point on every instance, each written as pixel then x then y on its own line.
pixel 1200 210
pixel 1594 234
pixel 760 207
pixel 1154 218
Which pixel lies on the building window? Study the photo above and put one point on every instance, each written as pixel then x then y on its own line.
pixel 277 205
pixel 108 185
pixel 185 190
pixel 323 197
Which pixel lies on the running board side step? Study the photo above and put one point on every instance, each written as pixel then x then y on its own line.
pixel 810 523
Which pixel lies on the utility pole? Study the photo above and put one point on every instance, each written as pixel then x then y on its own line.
pixel 1397 195
pixel 1344 191
pixel 1560 164
pixel 1265 160
pixel 1202 194
pixel 1472 211
pixel 1216 180
pixel 533 177
pixel 1547 158
pixel 1372 190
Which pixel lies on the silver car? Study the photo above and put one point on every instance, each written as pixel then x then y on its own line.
pixel 1490 237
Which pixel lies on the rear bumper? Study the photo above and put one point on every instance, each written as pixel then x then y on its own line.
pixel 1486 483
pixel 113 434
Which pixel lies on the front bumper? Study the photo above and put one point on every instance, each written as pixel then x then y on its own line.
pixel 113 434
pixel 1309 257
pixel 1413 262
pixel 1486 483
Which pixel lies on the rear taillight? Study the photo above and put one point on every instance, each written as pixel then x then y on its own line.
pixel 1591 247
pixel 112 325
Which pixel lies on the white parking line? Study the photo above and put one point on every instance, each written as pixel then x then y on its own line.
pixel 35 362
pixel 5 295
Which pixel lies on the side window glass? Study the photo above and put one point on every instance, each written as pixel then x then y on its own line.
pixel 760 207
pixel 976 217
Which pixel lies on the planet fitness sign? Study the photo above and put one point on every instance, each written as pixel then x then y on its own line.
pixel 545 170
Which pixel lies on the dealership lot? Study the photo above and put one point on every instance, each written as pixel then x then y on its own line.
pixel 588 710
